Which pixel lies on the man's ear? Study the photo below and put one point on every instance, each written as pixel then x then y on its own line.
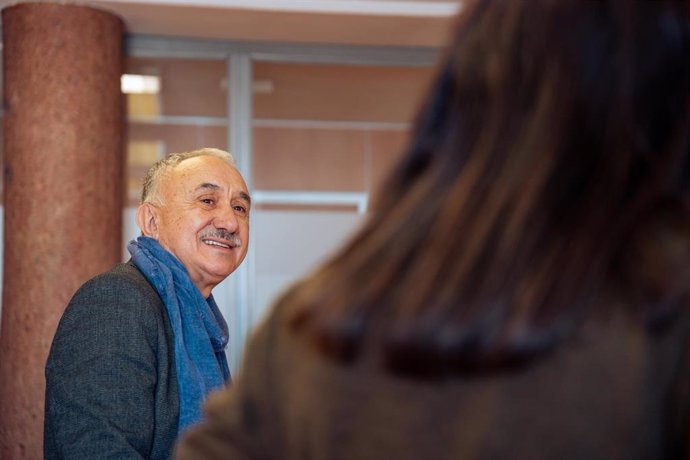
pixel 147 220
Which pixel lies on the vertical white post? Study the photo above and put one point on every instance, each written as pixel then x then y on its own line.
pixel 239 140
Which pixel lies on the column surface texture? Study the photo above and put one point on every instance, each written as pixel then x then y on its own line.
pixel 63 167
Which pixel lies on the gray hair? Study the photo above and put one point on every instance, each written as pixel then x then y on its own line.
pixel 149 193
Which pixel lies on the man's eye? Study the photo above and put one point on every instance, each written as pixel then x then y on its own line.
pixel 208 201
pixel 240 209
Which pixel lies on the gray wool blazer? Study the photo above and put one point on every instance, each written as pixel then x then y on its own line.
pixel 111 386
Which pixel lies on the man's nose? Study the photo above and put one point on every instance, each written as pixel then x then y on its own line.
pixel 226 219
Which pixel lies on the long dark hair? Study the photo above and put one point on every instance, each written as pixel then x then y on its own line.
pixel 549 162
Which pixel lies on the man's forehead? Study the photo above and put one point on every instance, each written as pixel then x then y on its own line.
pixel 192 176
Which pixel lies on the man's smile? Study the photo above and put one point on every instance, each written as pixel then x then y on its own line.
pixel 217 243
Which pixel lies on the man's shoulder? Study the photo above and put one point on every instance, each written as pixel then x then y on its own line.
pixel 123 276
pixel 120 301
pixel 123 287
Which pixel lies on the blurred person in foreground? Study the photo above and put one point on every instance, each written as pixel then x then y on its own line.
pixel 140 347
pixel 519 290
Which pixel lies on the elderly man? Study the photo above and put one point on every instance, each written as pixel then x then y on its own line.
pixel 140 347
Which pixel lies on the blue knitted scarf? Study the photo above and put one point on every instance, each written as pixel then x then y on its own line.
pixel 199 330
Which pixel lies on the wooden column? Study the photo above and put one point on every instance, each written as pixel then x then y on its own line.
pixel 63 189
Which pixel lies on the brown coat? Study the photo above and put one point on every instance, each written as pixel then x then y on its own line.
pixel 614 393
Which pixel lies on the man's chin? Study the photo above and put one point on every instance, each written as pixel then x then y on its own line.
pixel 220 273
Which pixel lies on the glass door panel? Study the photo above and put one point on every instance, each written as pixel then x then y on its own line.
pixel 323 138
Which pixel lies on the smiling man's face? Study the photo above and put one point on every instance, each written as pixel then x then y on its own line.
pixel 203 219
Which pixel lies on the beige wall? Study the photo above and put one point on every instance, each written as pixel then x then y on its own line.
pixel 345 127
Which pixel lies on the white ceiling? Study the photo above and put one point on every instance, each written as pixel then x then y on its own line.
pixel 432 8
pixel 350 22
